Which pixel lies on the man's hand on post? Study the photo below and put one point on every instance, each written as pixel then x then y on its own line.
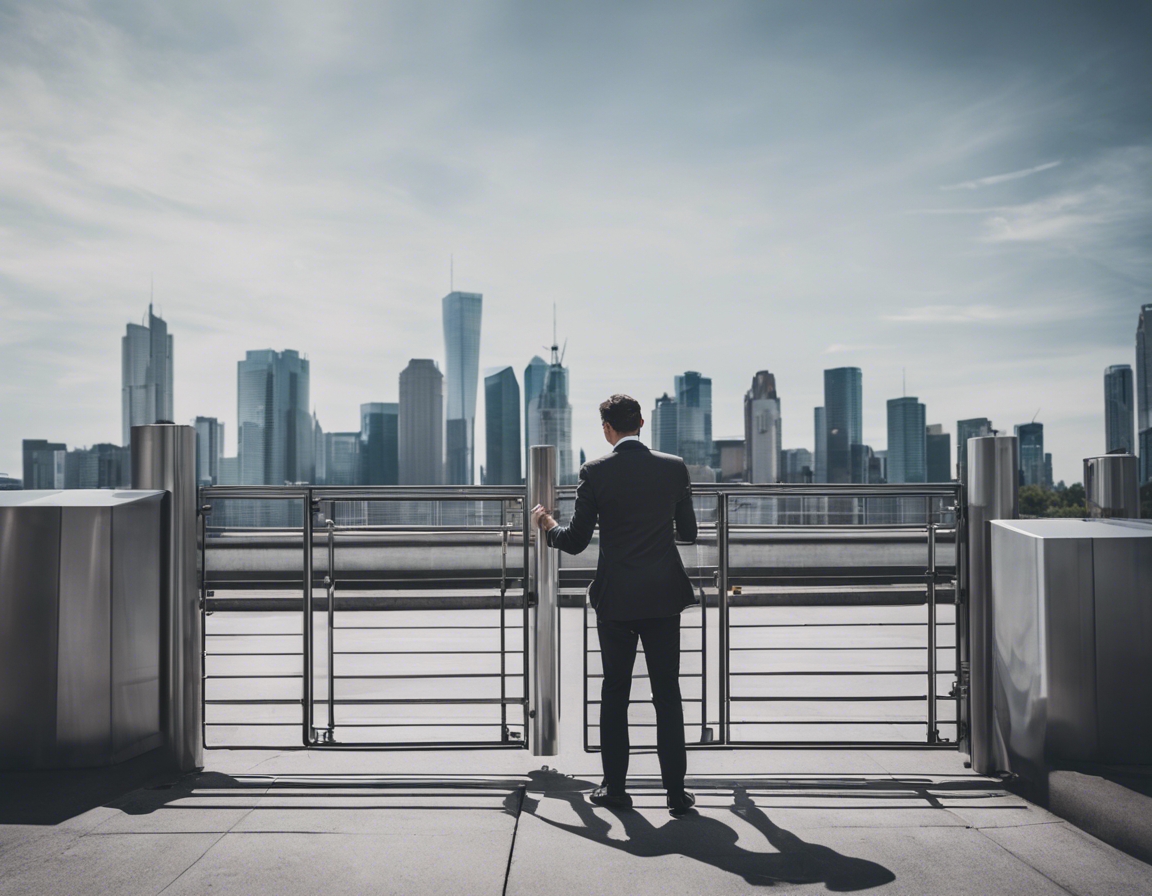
pixel 541 518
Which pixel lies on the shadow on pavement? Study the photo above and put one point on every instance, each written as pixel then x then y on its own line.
pixel 50 797
pixel 710 841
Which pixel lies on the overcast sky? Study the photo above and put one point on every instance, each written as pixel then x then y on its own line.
pixel 959 191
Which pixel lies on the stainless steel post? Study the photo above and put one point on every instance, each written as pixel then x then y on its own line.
pixel 330 584
pixel 546 637
pixel 309 734
pixel 164 457
pixel 933 728
pixel 993 494
pixel 722 608
pixel 1111 486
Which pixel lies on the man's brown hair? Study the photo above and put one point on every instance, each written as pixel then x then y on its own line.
pixel 621 412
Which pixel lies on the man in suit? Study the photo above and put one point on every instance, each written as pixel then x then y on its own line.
pixel 643 501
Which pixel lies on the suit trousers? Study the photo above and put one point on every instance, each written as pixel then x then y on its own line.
pixel 661 639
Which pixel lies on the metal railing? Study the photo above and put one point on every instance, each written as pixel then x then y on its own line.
pixel 827 618
pixel 373 676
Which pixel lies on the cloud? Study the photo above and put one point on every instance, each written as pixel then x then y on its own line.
pixel 949 314
pixel 1000 178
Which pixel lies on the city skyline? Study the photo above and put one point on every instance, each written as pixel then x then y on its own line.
pixel 284 378
pixel 895 189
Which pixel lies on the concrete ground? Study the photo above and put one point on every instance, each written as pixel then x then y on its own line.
pixel 503 822
pixel 306 822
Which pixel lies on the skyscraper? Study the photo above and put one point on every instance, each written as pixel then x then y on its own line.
pixel 664 425
pixel 907 443
pixel 1031 436
pixel 102 466
pixel 421 452
pixel 1144 391
pixel 343 461
pixel 209 449
pixel 146 374
pixel 379 443
pixel 462 353
pixel 971 428
pixel 694 418
pixel 844 420
pixel 550 416
pixel 44 463
pixel 534 375
pixel 274 435
pixel 729 460
pixel 502 427
pixel 762 443
pixel 820 454
pixel 1118 409
pixel 939 448
pixel 796 465
pixel 319 453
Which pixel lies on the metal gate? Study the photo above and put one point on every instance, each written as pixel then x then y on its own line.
pixel 828 618
pixel 349 646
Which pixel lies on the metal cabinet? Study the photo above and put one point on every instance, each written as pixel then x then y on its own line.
pixel 80 593
pixel 1072 643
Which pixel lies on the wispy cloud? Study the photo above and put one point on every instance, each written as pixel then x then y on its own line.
pixel 949 314
pixel 1000 178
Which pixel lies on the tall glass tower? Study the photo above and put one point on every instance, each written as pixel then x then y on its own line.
pixel 534 375
pixel 820 455
pixel 379 443
pixel 971 428
pixel 844 420
pixel 462 353
pixel 907 441
pixel 146 374
pixel 209 449
pixel 275 443
pixel 762 443
pixel 421 423
pixel 550 416
pixel 664 425
pixel 939 457
pixel 502 428
pixel 694 418
pixel 1144 391
pixel 1031 436
pixel 1118 409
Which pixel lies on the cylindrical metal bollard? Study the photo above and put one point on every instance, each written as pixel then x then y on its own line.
pixel 546 635
pixel 993 494
pixel 1112 487
pixel 164 457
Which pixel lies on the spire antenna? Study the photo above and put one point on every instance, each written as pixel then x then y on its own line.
pixel 451 273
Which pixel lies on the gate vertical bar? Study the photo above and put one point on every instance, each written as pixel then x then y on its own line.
pixel 546 739
pixel 526 590
pixel 933 732
pixel 204 510
pixel 503 601
pixel 330 584
pixel 722 606
pixel 164 458
pixel 308 672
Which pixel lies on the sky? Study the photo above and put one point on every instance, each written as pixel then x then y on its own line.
pixel 955 197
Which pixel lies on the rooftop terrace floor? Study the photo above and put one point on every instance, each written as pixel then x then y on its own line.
pixel 307 822
pixel 504 822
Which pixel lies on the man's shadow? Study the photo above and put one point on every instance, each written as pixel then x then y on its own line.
pixel 709 840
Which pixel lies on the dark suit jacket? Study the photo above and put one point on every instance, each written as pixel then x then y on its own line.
pixel 636 494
